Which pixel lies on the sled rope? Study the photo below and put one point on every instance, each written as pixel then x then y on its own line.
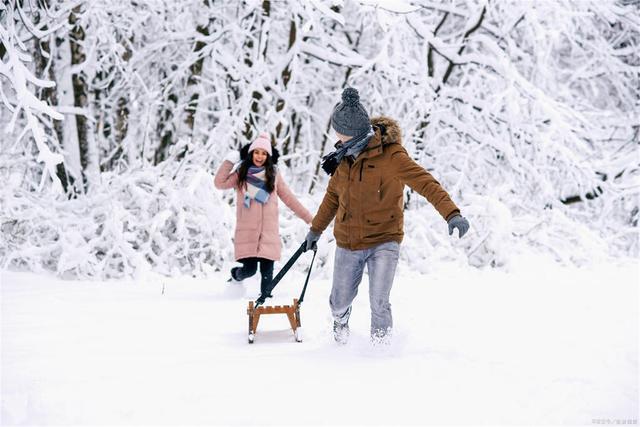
pixel 284 271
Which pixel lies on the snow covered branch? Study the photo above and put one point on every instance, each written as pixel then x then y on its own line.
pixel 526 112
pixel 23 100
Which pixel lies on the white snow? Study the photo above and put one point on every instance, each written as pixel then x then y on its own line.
pixel 533 132
pixel 537 344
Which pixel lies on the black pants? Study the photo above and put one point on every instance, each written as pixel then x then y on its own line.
pixel 249 267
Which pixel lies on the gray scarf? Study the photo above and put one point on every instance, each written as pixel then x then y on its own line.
pixel 353 148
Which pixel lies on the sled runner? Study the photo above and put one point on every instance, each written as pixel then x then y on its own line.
pixel 256 309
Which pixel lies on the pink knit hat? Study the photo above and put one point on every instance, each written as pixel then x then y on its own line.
pixel 263 142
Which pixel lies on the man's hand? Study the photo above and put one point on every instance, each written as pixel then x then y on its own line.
pixel 310 241
pixel 459 222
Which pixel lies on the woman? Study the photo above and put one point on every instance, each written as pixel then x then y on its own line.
pixel 257 183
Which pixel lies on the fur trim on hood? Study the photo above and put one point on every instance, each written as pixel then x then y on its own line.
pixel 390 129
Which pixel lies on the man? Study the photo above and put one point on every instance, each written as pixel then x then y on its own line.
pixel 365 196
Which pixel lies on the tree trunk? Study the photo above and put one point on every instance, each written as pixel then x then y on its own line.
pixel 430 71
pixel 67 129
pixel 283 128
pixel 347 74
pixel 86 138
pixel 192 82
pixel 165 128
pixel 113 120
pixel 256 96
pixel 44 68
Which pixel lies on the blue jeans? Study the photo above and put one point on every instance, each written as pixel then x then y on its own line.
pixel 381 262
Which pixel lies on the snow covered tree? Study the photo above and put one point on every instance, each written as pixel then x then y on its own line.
pixel 527 112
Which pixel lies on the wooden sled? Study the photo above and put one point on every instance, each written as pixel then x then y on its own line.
pixel 292 312
pixel 256 309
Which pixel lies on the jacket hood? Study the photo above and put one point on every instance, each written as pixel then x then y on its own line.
pixel 389 128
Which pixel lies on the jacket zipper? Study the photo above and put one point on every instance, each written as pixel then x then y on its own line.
pixel 260 229
pixel 348 206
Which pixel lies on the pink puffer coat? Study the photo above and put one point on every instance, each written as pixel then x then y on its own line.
pixel 257 227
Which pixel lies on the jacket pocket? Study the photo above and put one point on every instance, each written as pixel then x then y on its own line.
pixel 370 182
pixel 379 223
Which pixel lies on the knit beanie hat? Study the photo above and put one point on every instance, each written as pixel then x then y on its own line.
pixel 349 117
pixel 263 142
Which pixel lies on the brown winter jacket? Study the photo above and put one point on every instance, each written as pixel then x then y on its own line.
pixel 365 195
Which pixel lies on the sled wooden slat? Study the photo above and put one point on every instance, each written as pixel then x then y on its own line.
pixel 292 312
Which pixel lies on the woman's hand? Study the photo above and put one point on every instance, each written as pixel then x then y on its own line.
pixel 233 156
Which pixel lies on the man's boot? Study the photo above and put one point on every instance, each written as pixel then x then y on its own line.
pixel 340 332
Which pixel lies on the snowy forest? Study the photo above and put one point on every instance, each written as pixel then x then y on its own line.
pixel 116 115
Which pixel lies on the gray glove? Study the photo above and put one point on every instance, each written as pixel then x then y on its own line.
pixel 310 241
pixel 459 222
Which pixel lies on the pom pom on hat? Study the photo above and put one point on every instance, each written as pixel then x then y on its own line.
pixel 349 117
pixel 350 97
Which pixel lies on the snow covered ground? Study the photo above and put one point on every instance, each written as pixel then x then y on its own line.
pixel 538 344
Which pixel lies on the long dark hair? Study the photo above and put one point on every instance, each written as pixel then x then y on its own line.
pixel 269 168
